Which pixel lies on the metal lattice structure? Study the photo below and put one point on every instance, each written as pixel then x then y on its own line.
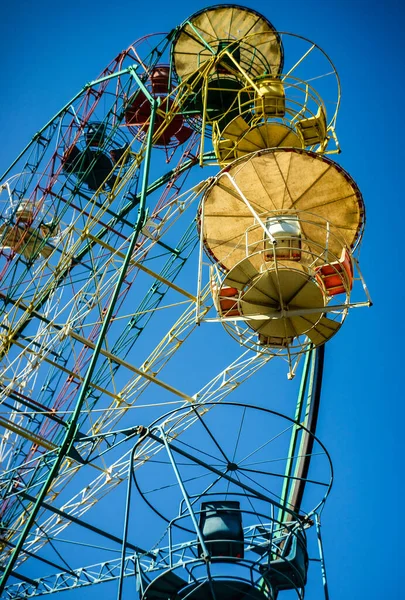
pixel 120 268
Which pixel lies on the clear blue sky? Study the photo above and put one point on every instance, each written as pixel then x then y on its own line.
pixel 50 50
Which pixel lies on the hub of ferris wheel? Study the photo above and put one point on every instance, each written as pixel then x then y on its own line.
pixel 279 227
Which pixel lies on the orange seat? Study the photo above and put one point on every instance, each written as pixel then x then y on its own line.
pixel 337 277
pixel 228 302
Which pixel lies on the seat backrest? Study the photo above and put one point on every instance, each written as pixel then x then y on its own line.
pixel 284 226
pixel 290 570
pixel 270 100
pixel 313 129
pixel 221 527
pixel 337 277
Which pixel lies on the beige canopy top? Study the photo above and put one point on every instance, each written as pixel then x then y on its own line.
pixel 276 182
pixel 259 48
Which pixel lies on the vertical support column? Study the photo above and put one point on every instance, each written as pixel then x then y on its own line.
pixel 294 437
pixel 126 523
pixel 321 555
pixel 310 421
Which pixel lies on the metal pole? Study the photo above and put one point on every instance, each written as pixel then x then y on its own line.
pixel 200 262
pixel 185 495
pixel 126 522
pixel 321 556
pixel 294 436
pixel 310 421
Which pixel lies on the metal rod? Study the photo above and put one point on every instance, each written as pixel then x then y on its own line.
pixel 356 262
pixel 126 525
pixel 23 578
pixel 298 62
pixel 294 435
pixel 249 206
pixel 200 259
pixel 321 555
pixel 238 483
pixel 206 554
pixel 277 314
pixel 77 521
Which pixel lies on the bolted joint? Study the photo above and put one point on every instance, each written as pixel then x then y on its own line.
pixel 142 431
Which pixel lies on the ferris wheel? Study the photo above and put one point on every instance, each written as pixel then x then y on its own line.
pixel 176 227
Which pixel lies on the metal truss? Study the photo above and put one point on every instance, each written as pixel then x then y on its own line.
pixel 111 570
pixel 214 391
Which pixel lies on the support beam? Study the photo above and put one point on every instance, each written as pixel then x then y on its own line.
pixel 295 435
pixel 127 365
pixel 22 578
pixel 40 558
pixel 142 267
pixel 72 374
pixel 310 422
pixel 93 528
pixel 27 434
pixel 63 581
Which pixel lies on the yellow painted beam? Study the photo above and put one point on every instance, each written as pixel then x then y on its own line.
pixel 142 268
pixel 130 367
pixel 28 435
